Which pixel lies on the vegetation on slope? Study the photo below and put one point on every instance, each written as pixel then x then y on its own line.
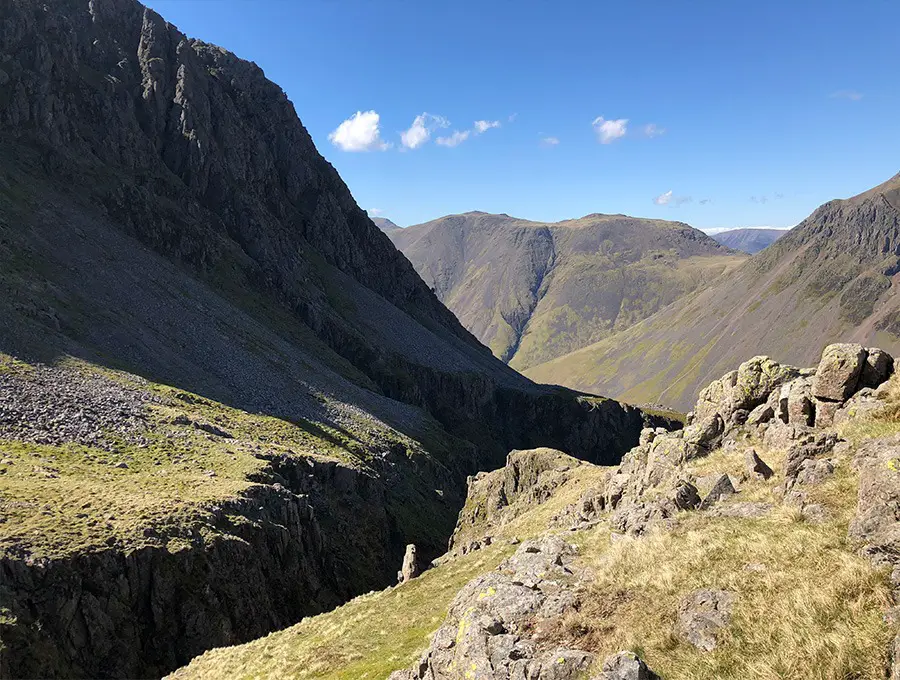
pixel 807 605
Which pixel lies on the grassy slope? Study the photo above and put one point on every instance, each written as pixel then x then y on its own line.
pixel 822 282
pixel 64 499
pixel 808 606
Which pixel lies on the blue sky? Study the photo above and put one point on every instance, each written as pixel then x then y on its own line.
pixel 761 110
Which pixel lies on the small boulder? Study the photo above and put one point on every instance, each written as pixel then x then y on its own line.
pixel 685 496
pixel 800 407
pixel 723 487
pixel 814 471
pixel 411 567
pixel 625 666
pixel 838 373
pixel 756 467
pixel 702 616
pixel 760 415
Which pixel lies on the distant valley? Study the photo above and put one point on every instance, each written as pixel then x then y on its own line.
pixel 749 240
pixel 533 291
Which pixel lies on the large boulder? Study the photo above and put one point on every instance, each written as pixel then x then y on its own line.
pixel 744 389
pixel 838 373
pixel 489 630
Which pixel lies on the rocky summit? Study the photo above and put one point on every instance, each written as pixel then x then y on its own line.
pixel 761 536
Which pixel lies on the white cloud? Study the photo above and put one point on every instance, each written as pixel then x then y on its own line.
pixel 663 199
pixel 852 95
pixel 670 199
pixel 485 125
pixel 550 141
pixel 455 139
pixel 359 133
pixel 609 131
pixel 374 212
pixel 653 130
pixel 420 130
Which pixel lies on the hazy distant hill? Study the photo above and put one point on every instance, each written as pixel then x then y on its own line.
pixel 532 291
pixel 385 224
pixel 749 240
pixel 833 277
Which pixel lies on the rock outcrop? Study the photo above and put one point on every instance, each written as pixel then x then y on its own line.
pixel 762 400
pixel 489 632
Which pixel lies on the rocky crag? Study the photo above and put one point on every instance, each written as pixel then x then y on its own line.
pixel 204 331
pixel 778 503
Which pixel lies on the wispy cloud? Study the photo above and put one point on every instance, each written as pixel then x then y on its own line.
pixel 374 212
pixel 420 130
pixel 360 132
pixel 653 130
pixel 550 141
pixel 852 95
pixel 669 198
pixel 609 131
pixel 766 199
pixel 455 139
pixel 485 125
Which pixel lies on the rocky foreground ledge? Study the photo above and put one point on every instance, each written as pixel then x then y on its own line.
pixel 761 540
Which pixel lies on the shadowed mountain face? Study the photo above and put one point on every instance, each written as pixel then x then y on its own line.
pixel 164 213
pixel 832 278
pixel 385 224
pixel 749 240
pixel 533 291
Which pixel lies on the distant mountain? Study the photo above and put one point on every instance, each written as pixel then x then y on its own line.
pixel 533 291
pixel 832 278
pixel 749 240
pixel 385 224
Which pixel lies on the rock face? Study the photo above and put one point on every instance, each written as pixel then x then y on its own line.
pixel 494 498
pixel 488 633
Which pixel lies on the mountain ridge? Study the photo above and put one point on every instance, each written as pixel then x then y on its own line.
pixel 531 290
pixel 821 282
